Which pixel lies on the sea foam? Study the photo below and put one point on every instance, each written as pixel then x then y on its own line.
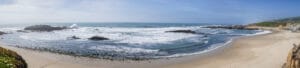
pixel 126 42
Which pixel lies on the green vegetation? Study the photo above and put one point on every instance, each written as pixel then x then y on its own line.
pixel 278 22
pixel 10 59
pixel 270 24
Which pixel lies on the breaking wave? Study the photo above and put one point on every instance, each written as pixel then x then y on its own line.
pixel 126 42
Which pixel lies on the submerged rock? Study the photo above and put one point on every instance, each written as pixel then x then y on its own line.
pixel 98 38
pixel 73 38
pixel 182 31
pixel 1 33
pixel 42 28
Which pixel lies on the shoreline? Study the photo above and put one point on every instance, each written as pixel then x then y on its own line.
pixel 37 59
pixel 224 45
pixel 268 51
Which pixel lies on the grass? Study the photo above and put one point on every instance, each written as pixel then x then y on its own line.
pixel 10 59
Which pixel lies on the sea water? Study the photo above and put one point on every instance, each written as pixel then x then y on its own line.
pixel 135 41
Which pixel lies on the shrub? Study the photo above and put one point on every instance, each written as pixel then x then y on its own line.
pixel 10 59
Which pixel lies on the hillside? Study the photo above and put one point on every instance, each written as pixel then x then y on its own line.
pixel 10 59
pixel 278 22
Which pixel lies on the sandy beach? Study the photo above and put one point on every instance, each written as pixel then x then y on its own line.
pixel 262 51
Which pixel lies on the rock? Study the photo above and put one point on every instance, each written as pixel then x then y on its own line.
pixel 1 33
pixel 98 38
pixel 251 28
pixel 182 31
pixel 73 38
pixel 242 27
pixel 42 28
pixel 23 31
pixel 293 59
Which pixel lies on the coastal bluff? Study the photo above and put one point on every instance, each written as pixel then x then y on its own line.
pixel 293 59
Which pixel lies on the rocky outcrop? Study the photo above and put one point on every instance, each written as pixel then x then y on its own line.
pixel 43 28
pixel 23 31
pixel 98 38
pixel 1 33
pixel 73 38
pixel 182 31
pixel 293 59
pixel 241 27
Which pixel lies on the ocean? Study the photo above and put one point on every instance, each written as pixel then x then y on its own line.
pixel 133 41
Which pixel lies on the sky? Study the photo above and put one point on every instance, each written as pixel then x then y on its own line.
pixel 158 11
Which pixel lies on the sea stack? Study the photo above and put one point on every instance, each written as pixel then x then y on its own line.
pixel 43 28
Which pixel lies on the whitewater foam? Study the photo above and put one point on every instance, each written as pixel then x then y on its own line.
pixel 215 46
pixel 121 35
pixel 128 41
pixel 122 49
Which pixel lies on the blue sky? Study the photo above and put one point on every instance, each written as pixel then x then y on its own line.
pixel 166 11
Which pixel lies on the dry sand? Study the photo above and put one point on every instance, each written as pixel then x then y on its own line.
pixel 263 51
